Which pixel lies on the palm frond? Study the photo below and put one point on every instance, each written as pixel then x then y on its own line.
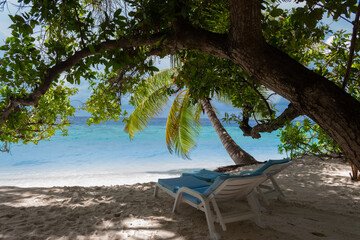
pixel 172 123
pixel 183 125
pixel 175 61
pixel 152 84
pixel 146 110
pixel 223 97
pixel 149 99
pixel 198 111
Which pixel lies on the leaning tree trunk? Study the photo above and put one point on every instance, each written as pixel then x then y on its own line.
pixel 331 107
pixel 237 154
pixel 327 104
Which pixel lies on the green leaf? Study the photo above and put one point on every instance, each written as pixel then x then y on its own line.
pixel 276 12
pixel 92 49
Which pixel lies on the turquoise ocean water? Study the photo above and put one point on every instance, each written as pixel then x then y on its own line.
pixel 103 155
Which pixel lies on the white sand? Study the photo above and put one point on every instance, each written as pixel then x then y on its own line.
pixel 322 203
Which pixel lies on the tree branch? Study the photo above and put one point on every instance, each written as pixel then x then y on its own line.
pixel 352 48
pixel 289 114
pixel 187 36
pixel 53 72
pixel 245 18
pixel 262 98
pixel 331 10
pixel 80 28
pixel 5 147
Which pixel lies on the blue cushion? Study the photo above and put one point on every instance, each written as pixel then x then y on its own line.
pixel 193 199
pixel 270 163
pixel 173 184
pixel 205 175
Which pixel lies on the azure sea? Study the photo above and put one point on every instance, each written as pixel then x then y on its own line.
pixel 102 154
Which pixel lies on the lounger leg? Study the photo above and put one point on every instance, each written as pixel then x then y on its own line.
pixel 257 195
pixel 252 200
pixel 210 221
pixel 156 190
pixel 177 202
pixel 262 196
pixel 218 214
pixel 281 195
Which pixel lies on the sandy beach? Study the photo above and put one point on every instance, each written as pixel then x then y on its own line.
pixel 322 203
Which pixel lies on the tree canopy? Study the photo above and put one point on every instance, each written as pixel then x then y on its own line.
pixel 238 46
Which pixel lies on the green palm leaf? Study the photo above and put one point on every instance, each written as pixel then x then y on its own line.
pixel 223 98
pixel 149 99
pixel 183 125
pixel 152 84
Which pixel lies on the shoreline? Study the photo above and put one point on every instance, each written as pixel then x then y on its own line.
pixel 322 202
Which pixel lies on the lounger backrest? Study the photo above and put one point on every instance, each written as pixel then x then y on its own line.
pixel 205 175
pixel 234 186
pixel 273 167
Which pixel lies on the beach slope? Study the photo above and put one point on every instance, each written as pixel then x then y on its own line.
pixel 322 203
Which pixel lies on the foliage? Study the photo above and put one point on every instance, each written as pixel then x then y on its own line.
pixel 151 97
pixel 307 138
pixel 67 39
pixel 183 125
pixel 206 76
pixel 35 124
pixel 48 35
pixel 326 58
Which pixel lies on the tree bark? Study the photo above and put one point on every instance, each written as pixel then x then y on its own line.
pixel 318 98
pixel 289 114
pixel 237 154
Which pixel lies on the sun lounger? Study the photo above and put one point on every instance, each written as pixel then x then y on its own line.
pixel 264 190
pixel 202 196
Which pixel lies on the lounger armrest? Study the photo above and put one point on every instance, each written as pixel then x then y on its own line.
pixel 246 173
pixel 191 192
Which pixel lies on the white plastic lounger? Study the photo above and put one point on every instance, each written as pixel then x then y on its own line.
pixel 206 197
pixel 265 191
pixel 272 190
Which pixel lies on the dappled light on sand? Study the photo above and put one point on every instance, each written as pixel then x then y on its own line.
pixel 322 201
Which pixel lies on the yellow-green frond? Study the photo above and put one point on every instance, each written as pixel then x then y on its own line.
pixel 175 61
pixel 147 109
pixel 152 84
pixel 149 99
pixel 182 126
pixel 198 111
pixel 223 98
pixel 172 121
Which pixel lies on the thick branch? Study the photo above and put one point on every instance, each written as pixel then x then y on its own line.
pixel 289 114
pixel 187 36
pixel 352 47
pixel 245 17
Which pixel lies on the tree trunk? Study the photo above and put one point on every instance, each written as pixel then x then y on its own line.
pixel 237 154
pixel 327 104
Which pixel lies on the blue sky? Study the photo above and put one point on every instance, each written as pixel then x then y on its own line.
pixel 84 92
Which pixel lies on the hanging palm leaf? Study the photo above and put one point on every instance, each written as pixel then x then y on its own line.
pixel 183 125
pixel 149 99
